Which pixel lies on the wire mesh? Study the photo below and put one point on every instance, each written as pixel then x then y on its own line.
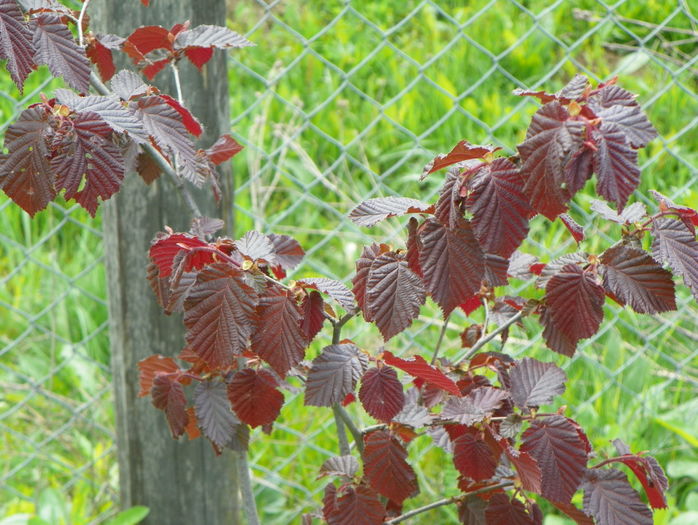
pixel 343 101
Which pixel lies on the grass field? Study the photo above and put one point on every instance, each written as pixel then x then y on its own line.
pixel 338 104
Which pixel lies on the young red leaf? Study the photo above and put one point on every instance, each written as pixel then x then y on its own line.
pixel 343 466
pixel 214 413
pixel 418 367
pixel 385 467
pixel 56 47
pixel 149 38
pixel 473 457
pixel 373 211
pixel 199 56
pixel 225 148
pixel 16 43
pixel 560 453
pixel 312 309
pixel 610 499
pixel 165 249
pixel 278 338
pixel 526 467
pixel 462 151
pixel 534 383
pixel 25 174
pixel 675 245
pixel 254 397
pixel 394 294
pixel 190 122
pixel 575 302
pixel 101 56
pixel 363 267
pixel 168 396
pixel 335 289
pixel 358 505
pixel 219 313
pixel 635 278
pixel 647 470
pixel 551 142
pixel 334 374
pixel 503 511
pixel 452 262
pixel 617 106
pixel 689 216
pixel 210 36
pixel 573 227
pixel 615 164
pixel 150 367
pixel 381 393
pixel 477 405
pixel 499 208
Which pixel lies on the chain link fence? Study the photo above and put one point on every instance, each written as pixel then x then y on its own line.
pixel 343 101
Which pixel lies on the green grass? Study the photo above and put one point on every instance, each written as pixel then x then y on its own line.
pixel 347 126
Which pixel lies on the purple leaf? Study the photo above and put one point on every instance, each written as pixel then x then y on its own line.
pixel 372 211
pixel 334 374
pixel 610 499
pixel 16 44
pixel 534 383
pixel 675 245
pixel 615 164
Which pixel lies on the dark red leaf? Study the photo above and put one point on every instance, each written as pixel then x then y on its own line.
pixel 219 313
pixel 648 471
pixel 551 142
pixel 190 122
pixel 214 413
pixel 462 151
pixel 526 467
pixel 617 106
pixel 675 245
pixel 363 267
pixel 689 216
pixel 25 174
pixel 450 207
pixel 254 397
pixel 335 289
pixel 499 207
pixel 471 304
pixel 372 211
pixel 278 338
pixel 149 38
pixel 150 367
pixel 394 294
pixel 452 262
pixel 16 43
pixel 615 164
pixel 477 405
pixel 210 36
pixel 148 168
pixel 554 267
pixel 575 88
pixel 471 335
pixel 413 246
pixel 179 292
pixel 635 278
pixel 560 453
pixel 385 467
pixel 418 367
pixel 381 393
pixel 199 56
pixel 165 249
pixel 256 246
pixel 101 56
pixel 168 396
pixel 496 270
pixel 573 227
pixel 287 251
pixel 344 466
pixel 555 339
pixel 313 315
pixel 575 302
pixel 56 47
pixel 473 457
pixel 225 148
pixel 503 511
pixel 610 499
pixel 579 169
pixel 356 506
pixel 334 374
pixel 534 383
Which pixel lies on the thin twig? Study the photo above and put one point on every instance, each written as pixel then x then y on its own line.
pixel 448 501
pixel 353 429
pixel 248 502
pixel 344 448
pixel 590 16
pixel 178 84
pixel 441 338
pixel 161 161
pixel 338 324
pixel 83 10
pixel 488 337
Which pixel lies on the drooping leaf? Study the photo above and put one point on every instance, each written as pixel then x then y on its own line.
pixel 418 367
pixel 477 405
pixel 179 292
pixel 575 302
pixel 127 84
pixel 254 397
pixel 335 289
pixel 168 396
pixel 617 106
pixel 278 338
pixel 25 174
pixel 560 453
pixel 450 207
pixel 499 207
pixel 56 47
pixel 473 457
pixel 526 467
pixel 635 278
pixel 452 262
pixel 214 413
pixel 225 148
pixel 496 269
pixel 90 154
pixel 101 56
pixel 462 151
pixel 334 374
pixel 503 511
pixel 219 313
pixel 394 294
pixel 373 211
pixel 287 251
pixel 573 227
pixel 534 383
pixel 150 367
pixel 313 315
pixel 199 56
pixel 615 164
pixel 648 472
pixel 358 505
pixel 579 169
pixel 16 44
pixel 381 393
pixel 190 121
pixel 344 466
pixel 688 216
pixel 164 250
pixel 610 499
pixel 551 142
pixel 386 469
pixel 363 267
pixel 210 36
pixel 675 245
pixel 555 338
